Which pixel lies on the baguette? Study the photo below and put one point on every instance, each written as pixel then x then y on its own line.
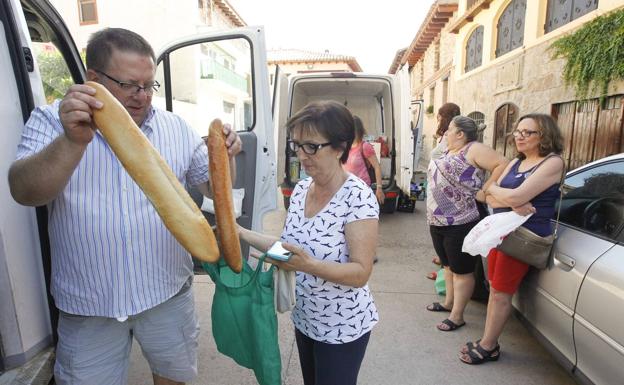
pixel 221 182
pixel 149 170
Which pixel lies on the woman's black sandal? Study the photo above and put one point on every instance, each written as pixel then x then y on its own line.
pixel 437 306
pixel 450 325
pixel 479 355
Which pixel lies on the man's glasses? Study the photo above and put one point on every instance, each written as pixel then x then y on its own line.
pixel 132 88
pixel 308 148
pixel 523 133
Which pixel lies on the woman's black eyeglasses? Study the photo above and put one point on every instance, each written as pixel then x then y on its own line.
pixel 149 88
pixel 523 133
pixel 308 148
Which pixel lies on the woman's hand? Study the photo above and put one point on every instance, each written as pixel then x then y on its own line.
pixel 381 197
pixel 298 261
pixel 525 209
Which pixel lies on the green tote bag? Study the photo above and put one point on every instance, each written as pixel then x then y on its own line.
pixel 244 322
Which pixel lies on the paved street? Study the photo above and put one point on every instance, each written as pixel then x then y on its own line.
pixel 405 348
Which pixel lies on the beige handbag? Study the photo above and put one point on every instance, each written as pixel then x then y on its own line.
pixel 528 247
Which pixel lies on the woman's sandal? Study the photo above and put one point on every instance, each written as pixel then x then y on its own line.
pixel 451 325
pixel 437 306
pixel 432 276
pixel 479 355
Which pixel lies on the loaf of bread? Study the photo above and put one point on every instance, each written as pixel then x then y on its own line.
pixel 149 170
pixel 221 183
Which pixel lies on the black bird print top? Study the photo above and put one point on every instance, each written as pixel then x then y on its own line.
pixel 326 311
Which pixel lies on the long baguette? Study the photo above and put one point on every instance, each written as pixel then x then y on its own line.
pixel 221 183
pixel 149 170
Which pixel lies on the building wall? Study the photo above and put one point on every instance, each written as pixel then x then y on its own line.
pixel 526 76
pixel 158 21
pixel 433 85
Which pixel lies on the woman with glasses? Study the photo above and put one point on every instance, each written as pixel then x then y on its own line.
pixel 331 229
pixel 529 184
pixel 454 183
pixel 361 155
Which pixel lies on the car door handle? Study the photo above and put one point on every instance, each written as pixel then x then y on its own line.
pixel 565 260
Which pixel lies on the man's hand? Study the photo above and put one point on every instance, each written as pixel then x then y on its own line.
pixel 75 112
pixel 232 140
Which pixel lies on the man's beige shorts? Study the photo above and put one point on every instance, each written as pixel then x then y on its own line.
pixel 96 350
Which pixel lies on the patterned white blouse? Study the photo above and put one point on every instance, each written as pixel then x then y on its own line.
pixel 326 311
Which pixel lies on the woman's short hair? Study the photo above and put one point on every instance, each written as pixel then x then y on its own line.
pixel 102 44
pixel 329 119
pixel 360 131
pixel 447 112
pixel 551 139
pixel 467 126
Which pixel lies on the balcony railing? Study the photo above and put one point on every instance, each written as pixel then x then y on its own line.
pixel 211 69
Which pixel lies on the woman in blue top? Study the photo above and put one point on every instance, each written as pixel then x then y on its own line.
pixel 529 184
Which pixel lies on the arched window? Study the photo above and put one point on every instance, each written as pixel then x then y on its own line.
pixel 506 117
pixel 474 49
pixel 479 118
pixel 510 27
pixel 560 12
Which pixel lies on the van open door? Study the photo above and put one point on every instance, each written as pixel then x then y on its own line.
pixel 224 75
pixel 281 109
pixel 405 135
pixel 39 62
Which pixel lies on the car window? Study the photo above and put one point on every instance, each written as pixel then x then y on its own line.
pixel 55 75
pixel 210 80
pixel 593 200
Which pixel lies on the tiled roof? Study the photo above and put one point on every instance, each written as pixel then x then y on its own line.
pixel 439 15
pixel 230 12
pixel 281 56
pixel 397 61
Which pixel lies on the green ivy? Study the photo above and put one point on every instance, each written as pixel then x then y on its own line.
pixel 594 53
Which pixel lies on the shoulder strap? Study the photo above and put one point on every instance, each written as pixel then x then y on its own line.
pixel 366 162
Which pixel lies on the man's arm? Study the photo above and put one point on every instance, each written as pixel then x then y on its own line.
pixel 40 178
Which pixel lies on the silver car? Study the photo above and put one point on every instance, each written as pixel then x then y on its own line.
pixel 575 307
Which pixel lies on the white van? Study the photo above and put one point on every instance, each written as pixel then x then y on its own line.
pixel 38 61
pixel 392 122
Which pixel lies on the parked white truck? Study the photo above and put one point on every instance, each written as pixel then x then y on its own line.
pixel 38 61
pixel 392 121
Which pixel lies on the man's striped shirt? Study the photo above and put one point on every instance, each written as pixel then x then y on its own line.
pixel 111 253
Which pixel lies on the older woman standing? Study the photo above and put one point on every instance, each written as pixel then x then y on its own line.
pixel 454 182
pixel 331 227
pixel 529 184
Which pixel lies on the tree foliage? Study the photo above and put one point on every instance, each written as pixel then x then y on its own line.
pixel 594 54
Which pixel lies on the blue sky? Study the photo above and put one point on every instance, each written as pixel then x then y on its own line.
pixel 370 30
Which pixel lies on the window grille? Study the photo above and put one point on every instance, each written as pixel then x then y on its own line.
pixel 510 27
pixel 561 12
pixel 474 50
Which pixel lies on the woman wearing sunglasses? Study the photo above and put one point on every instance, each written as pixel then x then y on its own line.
pixel 331 229
pixel 529 184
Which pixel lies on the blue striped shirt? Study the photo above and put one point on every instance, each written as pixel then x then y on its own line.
pixel 111 253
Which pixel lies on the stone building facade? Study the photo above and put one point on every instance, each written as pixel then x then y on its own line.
pixel 517 76
pixel 492 58
pixel 430 61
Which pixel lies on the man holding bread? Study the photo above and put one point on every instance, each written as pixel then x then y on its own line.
pixel 117 272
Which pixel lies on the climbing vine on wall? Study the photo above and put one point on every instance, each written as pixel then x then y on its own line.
pixel 594 53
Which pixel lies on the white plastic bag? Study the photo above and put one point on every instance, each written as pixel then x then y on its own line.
pixel 490 231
